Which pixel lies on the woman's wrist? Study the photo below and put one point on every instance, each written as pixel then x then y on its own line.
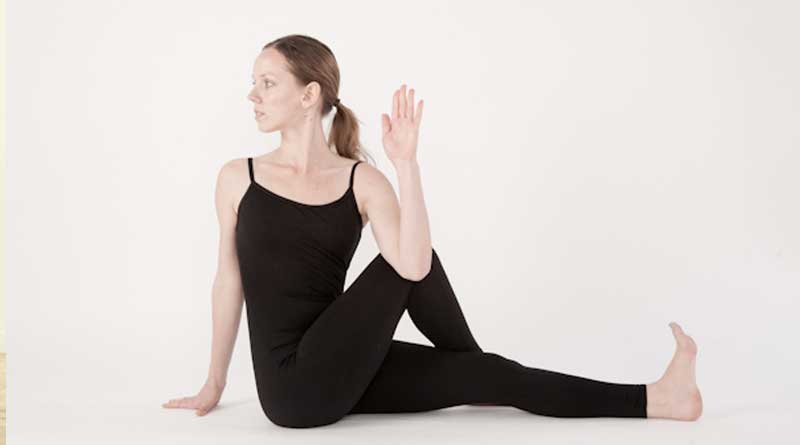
pixel 405 164
pixel 218 382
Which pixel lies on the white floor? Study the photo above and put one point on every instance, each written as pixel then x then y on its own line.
pixel 748 383
pixel 240 421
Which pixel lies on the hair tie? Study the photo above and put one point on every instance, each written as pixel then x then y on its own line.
pixel 336 102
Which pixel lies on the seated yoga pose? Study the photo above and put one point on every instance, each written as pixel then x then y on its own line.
pixel 290 222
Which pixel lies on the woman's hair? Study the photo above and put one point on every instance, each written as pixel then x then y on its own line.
pixel 310 60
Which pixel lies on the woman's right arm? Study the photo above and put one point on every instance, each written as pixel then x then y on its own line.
pixel 227 297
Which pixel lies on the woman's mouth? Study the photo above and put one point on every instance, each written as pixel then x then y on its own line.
pixel 259 115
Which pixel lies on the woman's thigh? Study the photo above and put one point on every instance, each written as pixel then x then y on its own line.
pixel 344 347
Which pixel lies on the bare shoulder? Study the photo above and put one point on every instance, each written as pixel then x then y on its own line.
pixel 232 173
pixel 368 179
pixel 232 181
pixel 372 188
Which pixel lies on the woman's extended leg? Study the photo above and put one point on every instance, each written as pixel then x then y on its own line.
pixel 456 371
pixel 416 377
pixel 348 362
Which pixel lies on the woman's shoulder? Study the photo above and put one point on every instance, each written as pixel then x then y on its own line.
pixel 370 180
pixel 233 168
pixel 233 179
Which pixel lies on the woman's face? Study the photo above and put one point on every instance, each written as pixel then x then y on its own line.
pixel 276 96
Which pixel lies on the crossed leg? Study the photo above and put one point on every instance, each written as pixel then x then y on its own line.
pixel 349 362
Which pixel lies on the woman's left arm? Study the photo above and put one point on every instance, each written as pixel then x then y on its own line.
pixel 401 231
pixel 415 235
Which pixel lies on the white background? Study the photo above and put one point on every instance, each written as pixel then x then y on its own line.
pixel 592 171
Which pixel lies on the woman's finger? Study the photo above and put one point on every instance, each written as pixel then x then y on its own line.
pixel 403 101
pixel 183 402
pixel 395 102
pixel 411 104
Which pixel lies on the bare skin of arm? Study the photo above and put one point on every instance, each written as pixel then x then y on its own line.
pixel 227 296
pixel 401 229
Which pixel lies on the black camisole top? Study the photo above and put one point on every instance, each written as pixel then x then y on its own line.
pixel 293 259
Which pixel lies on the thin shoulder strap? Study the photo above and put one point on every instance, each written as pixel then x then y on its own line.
pixel 352 173
pixel 250 167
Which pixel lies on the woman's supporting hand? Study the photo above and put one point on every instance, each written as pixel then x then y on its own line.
pixel 400 132
pixel 203 402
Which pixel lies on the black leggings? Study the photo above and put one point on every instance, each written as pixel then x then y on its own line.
pixel 347 361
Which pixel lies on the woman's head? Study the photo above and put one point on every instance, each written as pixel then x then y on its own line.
pixel 296 78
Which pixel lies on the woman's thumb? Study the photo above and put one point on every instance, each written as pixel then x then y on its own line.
pixel 386 124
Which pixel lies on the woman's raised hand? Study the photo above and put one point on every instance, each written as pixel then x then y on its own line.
pixel 401 130
pixel 203 402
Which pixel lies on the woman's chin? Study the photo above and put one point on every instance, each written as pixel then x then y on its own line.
pixel 265 128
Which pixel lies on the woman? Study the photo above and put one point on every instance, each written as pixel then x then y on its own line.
pixel 319 352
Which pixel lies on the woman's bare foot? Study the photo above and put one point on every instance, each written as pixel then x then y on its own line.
pixel 675 395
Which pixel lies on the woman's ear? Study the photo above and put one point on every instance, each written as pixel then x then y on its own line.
pixel 312 93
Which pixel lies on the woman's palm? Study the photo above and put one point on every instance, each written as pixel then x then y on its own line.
pixel 401 130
